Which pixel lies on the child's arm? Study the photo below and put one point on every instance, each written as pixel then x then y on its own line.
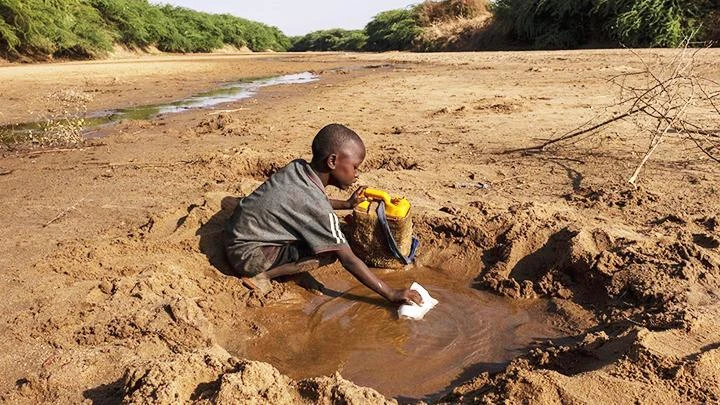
pixel 356 198
pixel 360 271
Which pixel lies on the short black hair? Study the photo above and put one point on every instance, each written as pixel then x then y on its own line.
pixel 330 139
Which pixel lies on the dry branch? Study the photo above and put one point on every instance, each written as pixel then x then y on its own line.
pixel 673 98
pixel 64 212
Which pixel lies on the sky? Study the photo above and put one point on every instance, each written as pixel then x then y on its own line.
pixel 296 17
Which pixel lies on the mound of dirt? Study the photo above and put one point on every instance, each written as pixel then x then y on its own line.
pixel 213 376
pixel 540 253
pixel 663 367
pixel 391 161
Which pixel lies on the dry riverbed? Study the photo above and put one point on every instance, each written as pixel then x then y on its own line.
pixel 116 289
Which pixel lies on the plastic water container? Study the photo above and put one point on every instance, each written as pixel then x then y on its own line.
pixel 368 239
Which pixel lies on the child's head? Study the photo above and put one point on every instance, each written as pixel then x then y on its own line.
pixel 338 150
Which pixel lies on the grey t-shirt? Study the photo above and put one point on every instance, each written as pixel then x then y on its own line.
pixel 291 206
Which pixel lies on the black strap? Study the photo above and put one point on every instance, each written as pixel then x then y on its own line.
pixel 391 240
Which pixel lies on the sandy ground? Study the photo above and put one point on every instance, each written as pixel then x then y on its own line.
pixel 115 287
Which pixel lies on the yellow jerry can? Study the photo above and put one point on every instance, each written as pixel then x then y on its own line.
pixel 368 238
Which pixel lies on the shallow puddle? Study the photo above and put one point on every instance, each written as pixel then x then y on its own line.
pixel 226 94
pixel 360 336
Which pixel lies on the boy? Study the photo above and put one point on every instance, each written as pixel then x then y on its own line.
pixel 287 226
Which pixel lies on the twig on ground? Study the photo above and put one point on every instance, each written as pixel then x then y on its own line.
pixel 64 212
pixel 635 322
pixel 576 133
pixel 657 140
pixel 227 111
pixel 141 164
pixel 40 152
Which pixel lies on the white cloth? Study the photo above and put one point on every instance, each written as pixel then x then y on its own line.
pixel 415 311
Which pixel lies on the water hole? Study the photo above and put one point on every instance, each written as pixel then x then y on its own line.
pixel 355 332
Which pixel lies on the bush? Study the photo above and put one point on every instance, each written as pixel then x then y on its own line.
pixel 194 32
pixel 330 40
pixel 548 23
pixel 392 30
pixel 87 28
pixel 136 22
pixel 232 30
pixel 712 22
pixel 573 23
pixel 655 22
pixel 261 37
pixel 40 28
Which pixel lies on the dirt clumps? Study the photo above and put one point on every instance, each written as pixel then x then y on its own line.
pixel 632 363
pixel 618 197
pixel 391 162
pixel 236 164
pixel 336 390
pixel 537 254
pixel 218 122
pixel 175 378
pixel 649 331
pixel 213 376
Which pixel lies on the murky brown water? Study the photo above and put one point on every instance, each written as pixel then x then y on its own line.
pixel 359 335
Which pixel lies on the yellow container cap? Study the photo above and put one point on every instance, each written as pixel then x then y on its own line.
pixel 397 207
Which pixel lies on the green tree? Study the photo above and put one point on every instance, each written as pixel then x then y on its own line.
pixel 655 22
pixel 392 30
pixel 330 40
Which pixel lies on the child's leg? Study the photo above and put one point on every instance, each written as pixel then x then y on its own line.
pixel 288 269
pixel 262 280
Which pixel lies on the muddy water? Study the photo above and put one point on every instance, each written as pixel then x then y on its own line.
pixel 354 332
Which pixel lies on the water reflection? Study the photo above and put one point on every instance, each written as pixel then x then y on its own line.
pixel 369 345
pixel 226 94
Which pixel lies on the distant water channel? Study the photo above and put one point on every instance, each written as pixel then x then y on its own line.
pixel 228 93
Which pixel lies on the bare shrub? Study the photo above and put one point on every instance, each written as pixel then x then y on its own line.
pixel 431 11
pixel 64 120
pixel 673 99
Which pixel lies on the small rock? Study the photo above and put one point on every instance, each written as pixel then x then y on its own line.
pixel 24 385
pixel 106 287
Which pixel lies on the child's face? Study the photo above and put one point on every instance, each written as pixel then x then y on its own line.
pixel 347 162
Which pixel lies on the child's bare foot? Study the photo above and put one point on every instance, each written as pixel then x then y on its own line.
pixel 259 283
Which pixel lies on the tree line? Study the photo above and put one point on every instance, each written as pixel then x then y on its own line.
pixel 42 29
pixel 531 24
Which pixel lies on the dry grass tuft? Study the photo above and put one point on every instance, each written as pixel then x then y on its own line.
pixel 452 25
pixel 433 12
pixel 456 34
pixel 64 120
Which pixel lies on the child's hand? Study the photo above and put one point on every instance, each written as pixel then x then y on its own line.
pixel 406 296
pixel 357 197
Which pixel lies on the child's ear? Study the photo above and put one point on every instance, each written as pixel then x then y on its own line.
pixel 332 161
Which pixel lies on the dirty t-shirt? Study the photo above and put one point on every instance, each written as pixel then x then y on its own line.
pixel 291 206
